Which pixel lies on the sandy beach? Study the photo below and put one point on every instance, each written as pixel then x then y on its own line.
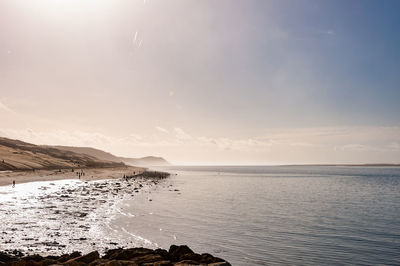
pixel 7 177
pixel 60 213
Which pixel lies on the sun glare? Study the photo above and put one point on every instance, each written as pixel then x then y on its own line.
pixel 60 7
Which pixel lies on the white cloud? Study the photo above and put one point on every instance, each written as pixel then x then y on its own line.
pixel 161 129
pixel 5 108
pixel 181 135
pixel 301 145
pixel 357 147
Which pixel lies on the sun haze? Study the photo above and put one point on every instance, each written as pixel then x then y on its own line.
pixel 205 82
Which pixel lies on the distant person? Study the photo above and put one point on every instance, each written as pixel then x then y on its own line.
pixel 13 183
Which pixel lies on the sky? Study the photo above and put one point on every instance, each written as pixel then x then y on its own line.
pixel 205 82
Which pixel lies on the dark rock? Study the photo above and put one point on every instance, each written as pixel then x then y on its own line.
pixel 4 257
pixel 67 257
pixel 186 263
pixel 118 263
pixel 177 255
pixel 15 252
pixel 126 254
pixel 148 258
pixel 52 257
pixel 223 263
pixel 47 262
pixel 163 253
pixel 207 258
pixel 191 256
pixel 176 252
pixel 97 262
pixel 88 258
pixel 35 257
pixel 159 263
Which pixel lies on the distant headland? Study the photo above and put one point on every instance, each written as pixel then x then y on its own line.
pixel 19 155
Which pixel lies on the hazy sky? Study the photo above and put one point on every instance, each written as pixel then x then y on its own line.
pixel 205 81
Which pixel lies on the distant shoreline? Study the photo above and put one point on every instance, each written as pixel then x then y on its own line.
pixel 348 165
pixel 278 165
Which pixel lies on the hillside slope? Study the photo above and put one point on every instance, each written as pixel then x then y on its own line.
pixel 144 161
pixel 19 155
pixel 91 152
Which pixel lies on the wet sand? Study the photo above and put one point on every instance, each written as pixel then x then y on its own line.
pixel 66 215
pixel 7 177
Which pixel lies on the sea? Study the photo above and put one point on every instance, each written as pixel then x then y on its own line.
pixel 248 215
pixel 277 215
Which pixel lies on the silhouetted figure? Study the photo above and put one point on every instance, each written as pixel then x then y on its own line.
pixel 13 183
pixel 72 170
pixel 2 161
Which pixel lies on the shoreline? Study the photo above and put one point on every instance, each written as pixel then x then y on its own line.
pixel 90 174
pixel 59 217
pixel 26 243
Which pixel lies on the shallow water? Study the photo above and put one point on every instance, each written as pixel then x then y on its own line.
pixel 276 215
pixel 62 216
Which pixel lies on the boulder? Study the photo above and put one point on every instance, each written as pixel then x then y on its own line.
pixel 163 253
pixel 4 257
pixel 186 263
pixel 176 252
pixel 222 263
pixel 208 258
pixel 191 256
pixel 47 262
pixel 159 263
pixel 118 263
pixel 148 258
pixel 67 257
pixel 35 257
pixel 88 258
pixel 177 255
pixel 126 254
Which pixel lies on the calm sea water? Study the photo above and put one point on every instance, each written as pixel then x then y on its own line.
pixel 274 215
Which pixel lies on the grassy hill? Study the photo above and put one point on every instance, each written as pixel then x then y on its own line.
pixel 19 155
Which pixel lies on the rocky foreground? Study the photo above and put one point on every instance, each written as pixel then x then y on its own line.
pixel 176 255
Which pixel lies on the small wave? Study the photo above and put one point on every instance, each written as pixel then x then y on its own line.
pixel 144 240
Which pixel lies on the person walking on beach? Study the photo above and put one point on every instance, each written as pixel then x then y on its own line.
pixel 13 183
